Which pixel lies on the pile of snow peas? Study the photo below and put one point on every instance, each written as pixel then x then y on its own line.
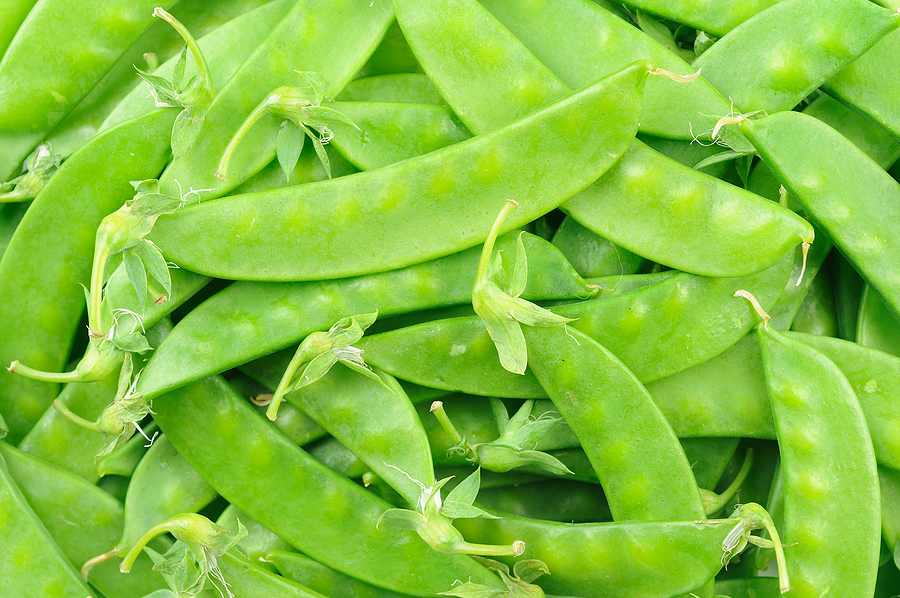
pixel 475 298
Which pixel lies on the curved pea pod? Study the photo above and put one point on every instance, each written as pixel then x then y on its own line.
pixel 14 14
pixel 259 541
pixel 645 476
pixel 717 228
pixel 817 313
pixel 854 201
pixel 587 132
pixel 225 48
pixel 38 328
pixel 627 560
pixel 829 471
pixel 889 484
pixel 592 255
pixel 655 331
pixel 330 38
pixel 787 67
pixel 864 86
pixel 24 536
pixel 163 485
pixel 877 326
pixel 245 578
pixel 288 481
pixel 394 131
pixel 399 87
pixel 314 574
pixel 646 203
pixel 61 499
pixel 597 43
pixel 238 325
pixel 39 87
pixel 717 20
pixel 752 587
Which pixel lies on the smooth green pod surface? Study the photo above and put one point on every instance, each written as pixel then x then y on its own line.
pixel 444 201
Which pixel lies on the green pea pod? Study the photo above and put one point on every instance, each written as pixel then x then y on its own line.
pixel 786 67
pixel 856 204
pixel 310 572
pixel 38 88
pixel 711 218
pixel 461 179
pixel 163 485
pixel 59 499
pixel 863 86
pixel 646 477
pixel 39 327
pixel 315 35
pixel 829 470
pixel 889 484
pixel 399 87
pixel 817 313
pixel 877 326
pixel 754 587
pixel 627 560
pixel 288 481
pixel 14 14
pixel 717 21
pixel 597 43
pixel 24 536
pixel 219 335
pixel 245 578
pixel 259 542
pixel 655 331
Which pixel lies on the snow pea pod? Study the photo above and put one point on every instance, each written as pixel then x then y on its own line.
pixel 817 314
pixel 14 13
pixel 38 89
pixel 627 560
pixel 592 255
pixel 289 481
pixel 314 574
pixel 330 37
pixel 849 195
pixel 24 536
pixel 83 521
pixel 877 326
pixel 655 331
pixel 238 324
pixel 753 587
pixel 38 328
pixel 863 86
pixel 646 476
pixel 446 194
pixel 245 578
pixel 597 43
pixel 717 20
pixel 399 87
pixel 645 197
pixel 829 471
pixel 785 68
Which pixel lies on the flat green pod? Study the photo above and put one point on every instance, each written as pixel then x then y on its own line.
pixel 444 200
pixel 399 87
pixel 314 574
pixel 844 191
pixel 784 67
pixel 717 18
pixel 597 43
pixel 864 86
pixel 877 326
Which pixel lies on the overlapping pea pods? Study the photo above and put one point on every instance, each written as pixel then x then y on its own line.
pixel 674 296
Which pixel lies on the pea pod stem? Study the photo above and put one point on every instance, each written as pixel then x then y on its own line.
pixel 202 65
pixel 95 313
pixel 261 110
pixel 74 418
pixel 16 367
pixel 488 248
pixel 713 502
pixel 441 414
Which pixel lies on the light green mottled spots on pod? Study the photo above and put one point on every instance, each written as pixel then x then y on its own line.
pixel 489 167
pixel 246 220
pixel 484 345
pixel 389 198
pixel 22 556
pixel 226 426
pixel 633 319
pixel 803 439
pixel 87 57
pixel 725 214
pixel 488 52
pixel 259 455
pixel 811 182
pixel 831 40
pixel 808 536
pixel 871 386
pixel 350 210
pixel 117 20
pixel 443 182
pixel 616 453
pixel 50 319
pixel 811 485
pixel 788 69
pixel 333 504
pixel 295 217
pixel 792 395
pixel 740 12
pixel 567 372
pixel 530 92
pixel 425 284
pixel 635 492
pixel 636 175
pixel 684 202
pixel 872 244
pixel 675 303
pixel 305 30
